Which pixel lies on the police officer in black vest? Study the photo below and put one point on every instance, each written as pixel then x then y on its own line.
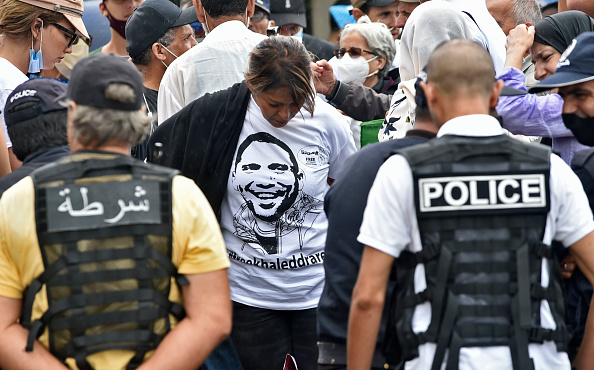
pixel 107 262
pixel 468 219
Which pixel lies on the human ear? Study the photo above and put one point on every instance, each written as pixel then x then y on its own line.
pixel 357 13
pixel 495 92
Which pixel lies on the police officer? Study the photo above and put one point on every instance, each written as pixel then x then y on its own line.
pixel 106 261
pixel 468 218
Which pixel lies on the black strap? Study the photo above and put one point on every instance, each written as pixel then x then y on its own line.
pixel 445 331
pixel 523 296
pixel 519 342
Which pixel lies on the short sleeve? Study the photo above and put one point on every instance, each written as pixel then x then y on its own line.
pixel 198 245
pixel 389 219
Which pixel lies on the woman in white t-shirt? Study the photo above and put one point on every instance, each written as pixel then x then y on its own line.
pixel 290 147
pixel 37 35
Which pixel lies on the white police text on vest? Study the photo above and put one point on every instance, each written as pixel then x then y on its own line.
pixel 458 193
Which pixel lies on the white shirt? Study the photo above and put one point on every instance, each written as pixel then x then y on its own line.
pixel 216 63
pixel 10 78
pixel 272 216
pixel 569 220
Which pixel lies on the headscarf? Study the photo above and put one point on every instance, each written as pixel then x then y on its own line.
pixel 558 30
pixel 430 24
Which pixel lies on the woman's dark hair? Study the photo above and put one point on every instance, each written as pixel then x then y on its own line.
pixel 279 62
pixel 558 30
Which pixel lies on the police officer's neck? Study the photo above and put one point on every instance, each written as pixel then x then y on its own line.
pixel 110 146
pixel 452 107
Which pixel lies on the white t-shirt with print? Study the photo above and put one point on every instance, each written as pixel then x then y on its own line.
pixel 272 216
pixel 10 78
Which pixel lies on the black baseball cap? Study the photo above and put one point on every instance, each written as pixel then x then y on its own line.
pixel 42 92
pixel 91 76
pixel 575 66
pixel 151 20
pixel 285 12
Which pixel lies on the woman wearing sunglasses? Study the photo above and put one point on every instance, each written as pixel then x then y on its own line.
pixel 365 55
pixel 37 35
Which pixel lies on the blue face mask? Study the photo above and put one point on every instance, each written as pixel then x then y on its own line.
pixel 36 58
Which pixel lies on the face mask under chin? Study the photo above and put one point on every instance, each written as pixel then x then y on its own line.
pixel 117 25
pixel 582 128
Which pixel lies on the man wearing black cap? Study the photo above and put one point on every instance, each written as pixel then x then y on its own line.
pixel 157 33
pixel 290 16
pixel 32 108
pixel 574 78
pixel 128 257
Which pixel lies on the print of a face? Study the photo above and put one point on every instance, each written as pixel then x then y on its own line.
pixel 267 177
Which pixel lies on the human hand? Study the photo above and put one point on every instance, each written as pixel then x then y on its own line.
pixel 324 80
pixel 520 38
pixel 568 265
pixel 518 42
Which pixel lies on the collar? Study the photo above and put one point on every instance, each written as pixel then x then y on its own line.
pixel 62 150
pixel 225 29
pixel 471 125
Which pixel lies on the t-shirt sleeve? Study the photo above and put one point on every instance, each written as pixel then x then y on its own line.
pixel 342 142
pixel 573 217
pixel 389 218
pixel 17 237
pixel 198 245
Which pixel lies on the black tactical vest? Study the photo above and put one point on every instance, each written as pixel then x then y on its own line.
pixel 481 205
pixel 104 225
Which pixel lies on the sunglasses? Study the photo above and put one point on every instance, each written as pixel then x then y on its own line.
pixel 73 36
pixel 353 52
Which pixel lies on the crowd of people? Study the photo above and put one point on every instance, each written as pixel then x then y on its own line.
pixel 214 188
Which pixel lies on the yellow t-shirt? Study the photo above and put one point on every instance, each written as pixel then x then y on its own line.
pixel 198 247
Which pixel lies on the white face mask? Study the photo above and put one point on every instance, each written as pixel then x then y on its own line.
pixel 298 35
pixel 166 66
pixel 347 69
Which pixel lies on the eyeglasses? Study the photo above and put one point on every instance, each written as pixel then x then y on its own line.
pixel 353 52
pixel 73 36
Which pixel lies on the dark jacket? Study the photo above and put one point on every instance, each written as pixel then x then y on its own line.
pixel 200 140
pixel 344 205
pixel 32 162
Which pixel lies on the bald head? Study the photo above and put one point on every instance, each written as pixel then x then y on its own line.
pixel 461 68
pixel 460 81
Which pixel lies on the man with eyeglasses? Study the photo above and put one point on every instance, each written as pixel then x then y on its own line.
pixel 260 21
pixel 158 33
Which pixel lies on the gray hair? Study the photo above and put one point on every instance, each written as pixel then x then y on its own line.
pixel 144 58
pixel 378 38
pixel 525 11
pixel 94 127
